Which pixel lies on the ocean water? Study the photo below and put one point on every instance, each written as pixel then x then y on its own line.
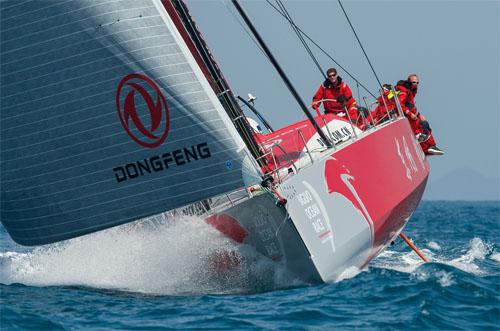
pixel 164 277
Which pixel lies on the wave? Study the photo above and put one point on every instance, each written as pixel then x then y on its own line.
pixel 188 256
pixel 469 262
pixel 185 256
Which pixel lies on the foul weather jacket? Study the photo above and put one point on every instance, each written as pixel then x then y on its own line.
pixel 406 98
pixel 385 106
pixel 335 97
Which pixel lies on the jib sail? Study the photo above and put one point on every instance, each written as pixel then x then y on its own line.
pixel 106 117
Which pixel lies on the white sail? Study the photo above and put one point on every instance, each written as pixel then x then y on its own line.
pixel 105 118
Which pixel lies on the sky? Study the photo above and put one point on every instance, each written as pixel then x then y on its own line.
pixel 452 45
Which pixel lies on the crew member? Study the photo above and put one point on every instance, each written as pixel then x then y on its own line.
pixel 336 96
pixel 407 90
pixel 386 106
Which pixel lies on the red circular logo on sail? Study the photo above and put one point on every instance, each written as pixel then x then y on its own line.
pixel 143 110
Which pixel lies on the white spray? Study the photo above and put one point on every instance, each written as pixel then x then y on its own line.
pixel 168 257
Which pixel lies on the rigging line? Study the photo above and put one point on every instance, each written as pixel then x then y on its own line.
pixel 324 52
pixel 288 17
pixel 359 95
pixel 243 27
pixel 304 43
pixel 226 97
pixel 360 44
pixel 299 35
pixel 282 74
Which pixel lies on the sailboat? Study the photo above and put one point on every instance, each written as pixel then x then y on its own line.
pixel 114 111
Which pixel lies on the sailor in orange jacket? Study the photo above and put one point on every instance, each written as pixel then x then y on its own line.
pixel 335 95
pixel 407 90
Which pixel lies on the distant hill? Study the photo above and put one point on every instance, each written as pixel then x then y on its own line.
pixel 463 184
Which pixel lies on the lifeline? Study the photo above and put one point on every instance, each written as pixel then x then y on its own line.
pixel 161 162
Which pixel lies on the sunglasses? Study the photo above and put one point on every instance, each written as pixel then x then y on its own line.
pixel 332 76
pixel 415 83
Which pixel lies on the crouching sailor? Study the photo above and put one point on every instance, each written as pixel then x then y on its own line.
pixel 407 89
pixel 386 106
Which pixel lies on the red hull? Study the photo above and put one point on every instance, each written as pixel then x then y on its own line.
pixel 342 208
pixel 390 172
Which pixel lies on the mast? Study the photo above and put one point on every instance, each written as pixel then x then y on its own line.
pixel 216 78
pixel 282 74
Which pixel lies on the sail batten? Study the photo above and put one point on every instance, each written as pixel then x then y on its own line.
pixel 63 232
pixel 95 85
pixel 55 84
pixel 93 130
pixel 95 199
pixel 106 118
pixel 42 111
pixel 76 155
pixel 56 55
pixel 70 190
pixel 25 181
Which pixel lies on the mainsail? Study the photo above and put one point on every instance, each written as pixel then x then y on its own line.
pixel 106 117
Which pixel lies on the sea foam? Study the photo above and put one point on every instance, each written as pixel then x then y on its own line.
pixel 408 261
pixel 168 257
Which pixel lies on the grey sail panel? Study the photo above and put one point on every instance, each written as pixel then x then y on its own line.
pixel 105 118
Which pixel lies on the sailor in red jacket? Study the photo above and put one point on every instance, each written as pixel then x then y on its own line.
pixel 407 90
pixel 386 107
pixel 335 95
